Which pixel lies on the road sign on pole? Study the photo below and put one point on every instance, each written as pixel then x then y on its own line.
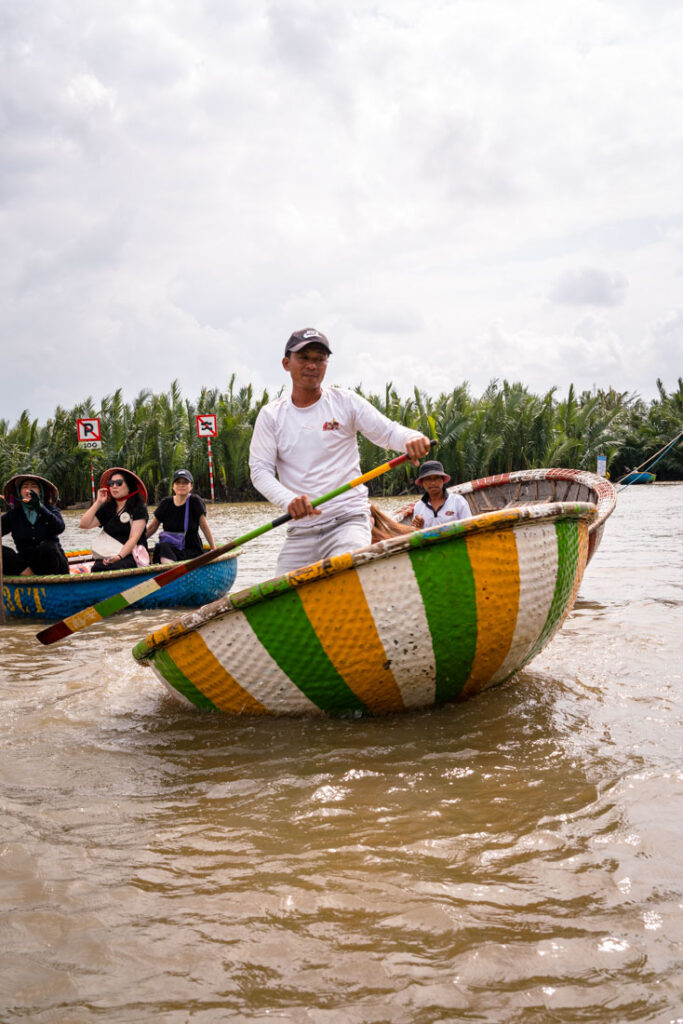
pixel 88 430
pixel 206 425
pixel 89 437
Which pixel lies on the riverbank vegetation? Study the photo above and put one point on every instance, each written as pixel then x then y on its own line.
pixel 505 428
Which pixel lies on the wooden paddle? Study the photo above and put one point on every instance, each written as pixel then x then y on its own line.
pixel 117 602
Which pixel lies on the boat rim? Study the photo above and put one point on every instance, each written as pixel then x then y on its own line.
pixel 484 522
pixel 88 577
pixel 605 491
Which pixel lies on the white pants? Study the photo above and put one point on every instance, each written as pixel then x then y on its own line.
pixel 306 544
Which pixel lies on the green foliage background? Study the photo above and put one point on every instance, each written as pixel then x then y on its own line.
pixel 505 428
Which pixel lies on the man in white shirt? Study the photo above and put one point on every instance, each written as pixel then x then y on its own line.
pixel 308 439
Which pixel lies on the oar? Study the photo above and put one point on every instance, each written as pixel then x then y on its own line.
pixel 117 602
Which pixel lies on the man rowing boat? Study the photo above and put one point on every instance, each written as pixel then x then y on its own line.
pixel 308 438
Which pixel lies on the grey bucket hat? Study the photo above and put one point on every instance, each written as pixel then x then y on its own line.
pixel 432 468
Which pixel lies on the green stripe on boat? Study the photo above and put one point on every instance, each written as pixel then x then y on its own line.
pixel 567 533
pixel 167 667
pixel 283 629
pixel 450 605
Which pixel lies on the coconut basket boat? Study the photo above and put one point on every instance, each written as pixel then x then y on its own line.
pixel 433 616
pixel 57 597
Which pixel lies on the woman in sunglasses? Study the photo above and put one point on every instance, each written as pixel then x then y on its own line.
pixel 120 508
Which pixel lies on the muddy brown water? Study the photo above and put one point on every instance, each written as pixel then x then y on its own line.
pixel 514 858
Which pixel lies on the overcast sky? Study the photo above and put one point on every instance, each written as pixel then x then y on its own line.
pixel 451 189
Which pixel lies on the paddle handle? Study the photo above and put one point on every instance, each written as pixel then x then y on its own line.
pixel 370 475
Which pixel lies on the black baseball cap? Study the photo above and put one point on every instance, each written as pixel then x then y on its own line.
pixel 307 336
pixel 183 474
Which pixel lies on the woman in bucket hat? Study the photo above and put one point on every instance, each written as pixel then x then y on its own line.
pixel 35 522
pixel 437 506
pixel 120 508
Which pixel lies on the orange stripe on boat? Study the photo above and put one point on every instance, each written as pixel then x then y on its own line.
pixel 493 558
pixel 195 660
pixel 345 627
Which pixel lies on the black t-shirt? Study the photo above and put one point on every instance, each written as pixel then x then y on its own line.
pixel 172 518
pixel 118 526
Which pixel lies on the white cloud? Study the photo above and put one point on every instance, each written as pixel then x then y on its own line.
pixel 663 349
pixel 589 286
pixel 182 187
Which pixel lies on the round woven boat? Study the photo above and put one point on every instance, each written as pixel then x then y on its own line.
pixel 433 616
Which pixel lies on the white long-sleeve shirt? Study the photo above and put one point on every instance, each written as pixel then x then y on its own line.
pixel 314 450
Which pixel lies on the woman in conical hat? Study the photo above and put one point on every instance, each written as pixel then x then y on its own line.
pixel 120 508
pixel 34 522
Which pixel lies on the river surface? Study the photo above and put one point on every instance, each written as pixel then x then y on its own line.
pixel 518 857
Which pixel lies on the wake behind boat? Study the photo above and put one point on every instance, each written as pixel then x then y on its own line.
pixel 56 597
pixel 433 616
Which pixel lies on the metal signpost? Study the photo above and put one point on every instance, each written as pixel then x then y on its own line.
pixel 206 427
pixel 89 437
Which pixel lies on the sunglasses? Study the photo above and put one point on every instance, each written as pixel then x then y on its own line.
pixel 116 483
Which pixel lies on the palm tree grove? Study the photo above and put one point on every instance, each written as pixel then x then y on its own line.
pixel 505 428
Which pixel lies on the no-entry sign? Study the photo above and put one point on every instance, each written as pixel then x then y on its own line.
pixel 206 425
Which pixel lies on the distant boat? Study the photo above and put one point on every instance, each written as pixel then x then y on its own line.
pixel 57 597
pixel 431 616
pixel 638 478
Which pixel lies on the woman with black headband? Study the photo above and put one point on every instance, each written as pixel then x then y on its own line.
pixel 120 508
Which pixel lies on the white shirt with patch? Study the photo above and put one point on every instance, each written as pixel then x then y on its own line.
pixel 314 450
pixel 454 507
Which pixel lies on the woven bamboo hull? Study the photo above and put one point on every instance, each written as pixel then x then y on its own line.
pixel 57 597
pixel 434 616
pixel 534 486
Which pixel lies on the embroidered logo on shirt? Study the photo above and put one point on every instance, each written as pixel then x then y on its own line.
pixel 331 425
pixel 449 513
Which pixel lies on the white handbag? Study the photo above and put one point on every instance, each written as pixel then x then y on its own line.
pixel 105 546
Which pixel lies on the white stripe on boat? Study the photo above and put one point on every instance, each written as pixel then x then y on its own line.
pixel 397 607
pixel 234 644
pixel 537 546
